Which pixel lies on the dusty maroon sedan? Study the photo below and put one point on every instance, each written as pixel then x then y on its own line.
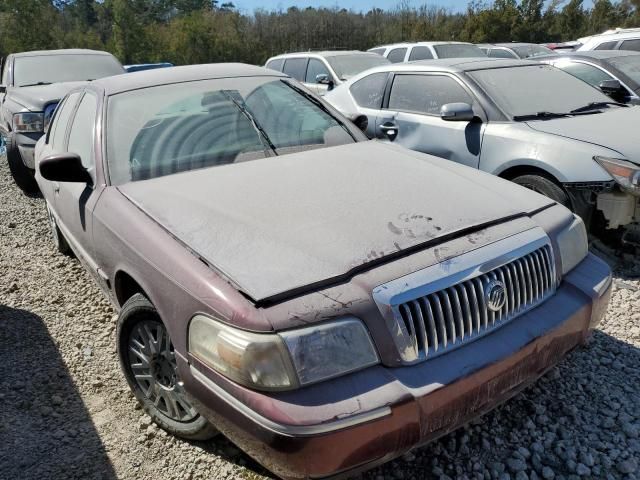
pixel 326 302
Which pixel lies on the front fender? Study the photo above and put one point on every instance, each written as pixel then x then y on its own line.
pixel 508 145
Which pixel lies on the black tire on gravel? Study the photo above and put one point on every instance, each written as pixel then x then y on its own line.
pixel 57 237
pixel 22 175
pixel 139 321
pixel 546 187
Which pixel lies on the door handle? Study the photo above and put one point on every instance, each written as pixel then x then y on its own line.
pixel 390 130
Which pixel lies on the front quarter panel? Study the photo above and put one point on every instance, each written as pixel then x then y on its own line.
pixel 507 145
pixel 177 282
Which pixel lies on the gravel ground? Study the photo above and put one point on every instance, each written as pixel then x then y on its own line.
pixel 66 411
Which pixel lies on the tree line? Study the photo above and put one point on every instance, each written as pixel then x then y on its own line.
pixel 205 31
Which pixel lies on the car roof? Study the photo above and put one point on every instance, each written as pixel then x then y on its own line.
pixel 516 44
pixel 597 54
pixel 69 51
pixel 411 44
pixel 321 53
pixel 190 73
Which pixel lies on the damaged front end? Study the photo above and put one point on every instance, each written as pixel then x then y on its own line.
pixel 613 205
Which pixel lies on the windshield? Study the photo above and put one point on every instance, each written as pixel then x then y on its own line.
pixel 629 65
pixel 174 128
pixel 458 50
pixel 44 69
pixel 347 66
pixel 530 51
pixel 536 88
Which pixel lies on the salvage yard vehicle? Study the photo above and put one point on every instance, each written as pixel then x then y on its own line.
pixel 514 50
pixel 615 72
pixel 409 52
pixel 276 283
pixel 323 70
pixel 31 85
pixel 521 120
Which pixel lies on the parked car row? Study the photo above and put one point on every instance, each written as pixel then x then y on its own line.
pixel 326 301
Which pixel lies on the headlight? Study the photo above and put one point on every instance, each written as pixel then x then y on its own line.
pixel 28 122
pixel 287 360
pixel 572 245
pixel 626 174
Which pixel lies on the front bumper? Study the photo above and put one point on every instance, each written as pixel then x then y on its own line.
pixel 361 420
pixel 26 144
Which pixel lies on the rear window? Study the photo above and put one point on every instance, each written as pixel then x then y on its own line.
pixel 275 64
pixel 501 53
pixel 378 51
pixel 531 51
pixel 458 50
pixel 296 68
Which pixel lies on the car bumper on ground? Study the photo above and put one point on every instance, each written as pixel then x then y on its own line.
pixel 361 420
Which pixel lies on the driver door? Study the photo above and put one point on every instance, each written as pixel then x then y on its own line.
pixel 411 117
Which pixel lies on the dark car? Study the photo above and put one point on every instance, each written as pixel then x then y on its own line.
pixel 32 85
pixel 615 72
pixel 515 50
pixel 326 302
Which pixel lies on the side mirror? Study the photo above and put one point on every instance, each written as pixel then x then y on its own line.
pixel 610 86
pixel 457 112
pixel 64 167
pixel 3 89
pixel 324 79
pixel 362 122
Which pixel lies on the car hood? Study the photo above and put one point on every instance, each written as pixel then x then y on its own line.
pixel 614 129
pixel 37 97
pixel 288 224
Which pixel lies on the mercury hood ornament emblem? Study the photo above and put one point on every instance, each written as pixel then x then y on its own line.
pixel 495 295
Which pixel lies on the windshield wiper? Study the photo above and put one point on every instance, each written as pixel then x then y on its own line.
pixel 538 116
pixel 256 125
pixel 36 84
pixel 320 105
pixel 596 106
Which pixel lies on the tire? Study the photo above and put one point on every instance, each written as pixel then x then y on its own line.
pixel 142 335
pixel 22 175
pixel 546 187
pixel 57 237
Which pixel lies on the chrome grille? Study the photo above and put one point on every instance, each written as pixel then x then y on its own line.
pixel 445 319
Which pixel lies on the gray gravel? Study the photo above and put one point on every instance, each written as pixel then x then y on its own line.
pixel 66 411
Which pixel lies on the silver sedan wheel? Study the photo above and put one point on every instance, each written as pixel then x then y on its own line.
pixel 152 361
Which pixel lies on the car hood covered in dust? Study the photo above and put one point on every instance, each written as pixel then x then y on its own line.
pixel 615 129
pixel 37 97
pixel 289 223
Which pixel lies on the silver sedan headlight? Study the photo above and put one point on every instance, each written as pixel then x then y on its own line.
pixel 286 360
pixel 625 173
pixel 28 122
pixel 573 245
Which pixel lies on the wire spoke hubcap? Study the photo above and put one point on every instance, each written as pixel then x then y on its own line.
pixel 152 361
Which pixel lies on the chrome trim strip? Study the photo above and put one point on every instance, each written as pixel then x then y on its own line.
pixel 289 430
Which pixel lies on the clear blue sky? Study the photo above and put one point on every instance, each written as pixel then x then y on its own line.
pixel 358 5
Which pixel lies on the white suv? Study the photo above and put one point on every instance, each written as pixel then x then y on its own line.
pixel 408 52
pixel 321 71
pixel 620 39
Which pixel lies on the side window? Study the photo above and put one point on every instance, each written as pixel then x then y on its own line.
pixel 397 55
pixel 315 68
pixel 61 120
pixel 631 45
pixel 501 53
pixel 379 51
pixel 296 68
pixel 368 91
pixel 425 93
pixel 607 46
pixel 420 53
pixel 586 73
pixel 275 64
pixel 82 129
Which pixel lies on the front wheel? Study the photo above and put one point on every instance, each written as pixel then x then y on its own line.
pixel 148 360
pixel 56 235
pixel 546 187
pixel 22 175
